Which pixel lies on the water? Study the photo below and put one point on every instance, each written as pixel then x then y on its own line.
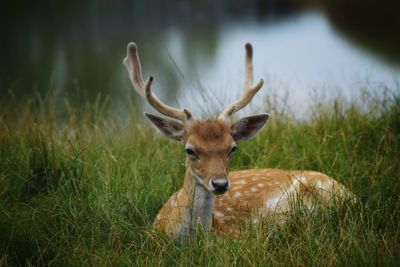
pixel 196 65
pixel 299 57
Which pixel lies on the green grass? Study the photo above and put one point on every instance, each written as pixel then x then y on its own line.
pixel 80 187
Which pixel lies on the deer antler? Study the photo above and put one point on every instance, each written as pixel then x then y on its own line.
pixel 132 63
pixel 250 89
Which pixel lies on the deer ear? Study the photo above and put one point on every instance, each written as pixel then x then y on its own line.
pixel 247 127
pixel 170 128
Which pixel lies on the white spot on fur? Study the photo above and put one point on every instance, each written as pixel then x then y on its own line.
pixel 260 185
pixel 326 186
pixel 320 185
pixel 253 189
pixel 272 203
pixel 218 214
pixel 295 184
pixel 237 194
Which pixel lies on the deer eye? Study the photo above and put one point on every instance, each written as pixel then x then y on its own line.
pixel 191 154
pixel 233 149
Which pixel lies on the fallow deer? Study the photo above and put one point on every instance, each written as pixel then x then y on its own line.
pixel 212 198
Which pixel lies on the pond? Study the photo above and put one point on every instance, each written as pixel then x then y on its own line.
pixel 197 62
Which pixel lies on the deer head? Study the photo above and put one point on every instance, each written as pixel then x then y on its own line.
pixel 208 144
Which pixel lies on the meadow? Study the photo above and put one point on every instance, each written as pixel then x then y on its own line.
pixel 80 186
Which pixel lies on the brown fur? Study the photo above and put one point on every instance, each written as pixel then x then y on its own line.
pixel 209 137
pixel 174 209
pixel 254 193
pixel 212 142
pixel 208 131
pixel 258 186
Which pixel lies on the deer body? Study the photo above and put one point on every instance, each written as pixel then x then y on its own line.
pixel 211 197
pixel 254 194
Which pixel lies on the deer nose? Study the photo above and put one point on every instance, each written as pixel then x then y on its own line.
pixel 220 185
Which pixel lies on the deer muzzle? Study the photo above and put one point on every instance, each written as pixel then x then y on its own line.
pixel 219 185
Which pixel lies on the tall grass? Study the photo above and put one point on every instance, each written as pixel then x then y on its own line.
pixel 79 187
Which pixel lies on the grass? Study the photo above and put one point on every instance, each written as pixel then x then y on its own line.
pixel 79 187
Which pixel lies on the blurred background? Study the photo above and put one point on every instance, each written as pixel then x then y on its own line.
pixel 195 49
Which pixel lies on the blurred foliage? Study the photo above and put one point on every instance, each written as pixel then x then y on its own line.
pixel 371 24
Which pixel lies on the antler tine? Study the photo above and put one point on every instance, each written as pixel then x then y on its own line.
pixel 250 89
pixel 248 64
pixel 132 63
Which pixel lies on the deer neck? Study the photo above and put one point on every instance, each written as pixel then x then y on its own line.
pixel 197 213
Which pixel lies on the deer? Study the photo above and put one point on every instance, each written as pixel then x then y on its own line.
pixel 213 198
